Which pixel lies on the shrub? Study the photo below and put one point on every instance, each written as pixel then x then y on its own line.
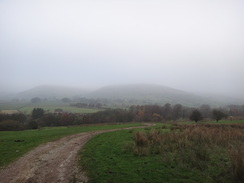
pixel 11 125
pixel 140 139
pixel 140 145
pixel 32 125
pixel 196 116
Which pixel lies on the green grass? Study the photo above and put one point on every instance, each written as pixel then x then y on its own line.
pixel 227 122
pixel 105 160
pixel 12 105
pixel 10 150
pixel 224 121
pixel 48 106
pixel 28 109
pixel 177 158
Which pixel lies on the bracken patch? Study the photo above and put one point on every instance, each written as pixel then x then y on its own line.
pixel 203 147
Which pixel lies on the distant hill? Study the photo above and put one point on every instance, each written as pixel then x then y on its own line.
pixel 52 92
pixel 221 99
pixel 157 94
pixel 131 94
pixel 148 93
pixel 5 95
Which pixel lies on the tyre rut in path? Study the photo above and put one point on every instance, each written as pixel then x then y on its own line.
pixel 51 162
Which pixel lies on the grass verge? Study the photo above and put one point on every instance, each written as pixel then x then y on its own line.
pixel 213 122
pixel 27 140
pixel 185 154
pixel 26 107
pixel 28 110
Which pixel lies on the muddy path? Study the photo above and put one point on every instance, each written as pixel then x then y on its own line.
pixel 51 162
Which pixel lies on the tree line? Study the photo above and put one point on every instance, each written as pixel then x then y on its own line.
pixel 135 113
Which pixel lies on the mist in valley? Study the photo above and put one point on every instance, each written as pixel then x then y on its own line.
pixel 190 47
pixel 162 79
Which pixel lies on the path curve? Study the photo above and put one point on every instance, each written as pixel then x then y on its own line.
pixel 51 162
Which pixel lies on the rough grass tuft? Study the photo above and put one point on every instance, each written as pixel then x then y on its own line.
pixel 197 146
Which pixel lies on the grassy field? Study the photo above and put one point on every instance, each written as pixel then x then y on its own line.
pixel 191 153
pixel 12 105
pixel 224 121
pixel 9 111
pixel 27 108
pixel 10 150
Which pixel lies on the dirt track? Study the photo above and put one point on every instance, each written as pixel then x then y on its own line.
pixel 51 162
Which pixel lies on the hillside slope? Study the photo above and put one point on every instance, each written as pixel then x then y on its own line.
pixel 51 92
pixel 148 93
pixel 131 94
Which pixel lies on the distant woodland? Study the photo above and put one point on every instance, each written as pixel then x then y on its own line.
pixel 135 113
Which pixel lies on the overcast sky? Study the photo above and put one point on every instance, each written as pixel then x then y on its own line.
pixel 190 45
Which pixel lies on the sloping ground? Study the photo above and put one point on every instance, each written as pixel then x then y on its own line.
pixel 9 111
pixel 51 162
pixel 149 93
pixel 51 92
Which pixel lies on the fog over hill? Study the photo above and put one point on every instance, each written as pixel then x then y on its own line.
pixel 158 94
pixel 52 92
pixel 194 46
pixel 148 93
pixel 129 93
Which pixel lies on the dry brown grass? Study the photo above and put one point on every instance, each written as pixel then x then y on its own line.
pixel 198 146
